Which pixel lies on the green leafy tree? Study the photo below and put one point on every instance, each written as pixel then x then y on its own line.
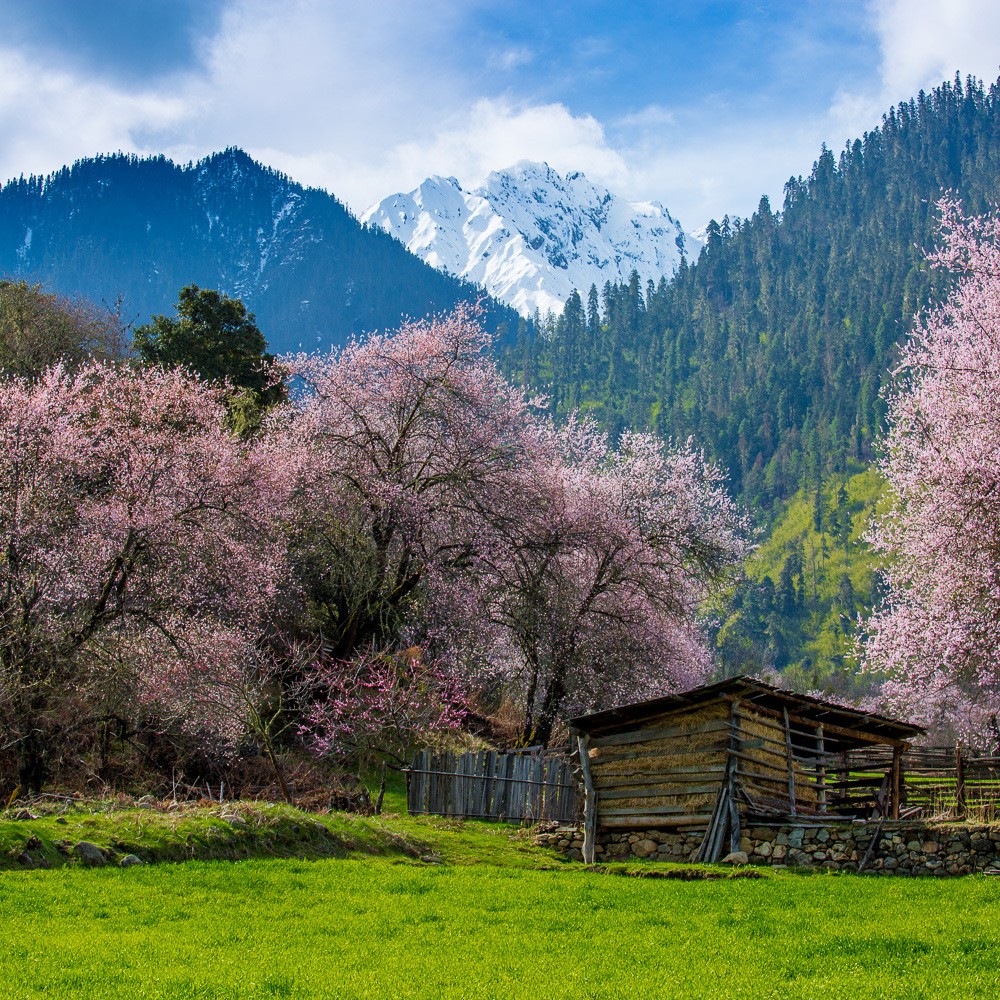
pixel 39 329
pixel 214 337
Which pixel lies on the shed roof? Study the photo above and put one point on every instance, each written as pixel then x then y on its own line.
pixel 750 690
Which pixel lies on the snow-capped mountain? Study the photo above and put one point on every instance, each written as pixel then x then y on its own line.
pixel 530 236
pixel 144 228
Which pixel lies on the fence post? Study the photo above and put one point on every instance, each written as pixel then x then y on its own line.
pixel 961 811
pixel 589 800
pixel 896 794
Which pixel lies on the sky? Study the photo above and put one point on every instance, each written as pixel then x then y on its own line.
pixel 702 105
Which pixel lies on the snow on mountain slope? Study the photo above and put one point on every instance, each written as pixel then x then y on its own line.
pixel 530 236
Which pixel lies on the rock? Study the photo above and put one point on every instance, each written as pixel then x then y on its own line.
pixel 644 848
pixel 129 861
pixel 930 847
pixel 763 849
pixel 240 823
pixel 795 837
pixel 60 820
pixel 24 858
pixel 822 836
pixel 736 858
pixel 779 852
pixel 914 845
pixel 90 853
pixel 32 843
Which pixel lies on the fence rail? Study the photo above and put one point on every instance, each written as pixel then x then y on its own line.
pixel 509 787
pixel 953 782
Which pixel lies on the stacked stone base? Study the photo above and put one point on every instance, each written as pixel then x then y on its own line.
pixel 903 848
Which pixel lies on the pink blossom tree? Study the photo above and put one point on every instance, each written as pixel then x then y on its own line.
pixel 439 509
pixel 937 635
pixel 378 705
pixel 597 580
pixel 129 519
pixel 409 440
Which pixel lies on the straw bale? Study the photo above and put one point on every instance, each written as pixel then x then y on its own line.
pixel 690 803
pixel 773 767
pixel 684 749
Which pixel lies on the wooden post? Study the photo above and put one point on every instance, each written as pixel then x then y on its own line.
pixel 589 800
pixel 896 793
pixel 791 765
pixel 961 810
pixel 820 769
pixel 734 807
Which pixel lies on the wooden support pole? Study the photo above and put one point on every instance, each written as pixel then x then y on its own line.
pixel 791 766
pixel 961 809
pixel 896 794
pixel 820 769
pixel 589 800
pixel 732 778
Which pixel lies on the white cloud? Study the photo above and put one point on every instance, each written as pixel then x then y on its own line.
pixel 508 59
pixel 926 41
pixel 50 117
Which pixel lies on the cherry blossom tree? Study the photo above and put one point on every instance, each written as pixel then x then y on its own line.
pixel 378 705
pixel 410 440
pixel 598 578
pixel 937 635
pixel 130 519
pixel 440 509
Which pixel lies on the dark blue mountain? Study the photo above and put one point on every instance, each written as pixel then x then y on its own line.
pixel 143 228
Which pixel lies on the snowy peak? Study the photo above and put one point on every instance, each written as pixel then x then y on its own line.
pixel 530 236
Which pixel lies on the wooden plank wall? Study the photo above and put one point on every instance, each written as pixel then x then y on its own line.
pixel 665 774
pixel 528 786
pixel 781 764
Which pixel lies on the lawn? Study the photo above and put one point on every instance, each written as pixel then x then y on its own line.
pixel 396 927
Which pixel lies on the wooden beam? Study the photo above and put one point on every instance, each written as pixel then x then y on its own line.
pixel 836 730
pixel 791 765
pixel 820 769
pixel 646 735
pixel 589 800
pixel 654 792
pixel 961 810
pixel 685 751
pixel 735 745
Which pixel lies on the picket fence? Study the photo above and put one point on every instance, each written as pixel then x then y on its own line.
pixel 524 786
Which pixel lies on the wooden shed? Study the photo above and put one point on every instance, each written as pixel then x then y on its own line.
pixel 725 755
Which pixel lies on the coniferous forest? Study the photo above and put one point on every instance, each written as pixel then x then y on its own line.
pixel 774 350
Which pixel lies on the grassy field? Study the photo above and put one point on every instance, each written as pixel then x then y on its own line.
pixel 422 907
pixel 375 928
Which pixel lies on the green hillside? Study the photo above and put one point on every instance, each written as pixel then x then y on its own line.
pixel 796 608
pixel 774 349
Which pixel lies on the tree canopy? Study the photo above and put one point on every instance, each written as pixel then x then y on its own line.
pixel 214 337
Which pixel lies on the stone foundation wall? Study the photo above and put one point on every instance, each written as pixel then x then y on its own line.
pixel 903 848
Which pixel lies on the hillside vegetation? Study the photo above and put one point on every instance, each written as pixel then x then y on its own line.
pixel 775 349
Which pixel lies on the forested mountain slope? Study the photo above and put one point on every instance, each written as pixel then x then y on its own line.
pixel 773 347
pixel 772 350
pixel 146 227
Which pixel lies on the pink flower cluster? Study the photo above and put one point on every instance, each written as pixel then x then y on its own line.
pixel 937 636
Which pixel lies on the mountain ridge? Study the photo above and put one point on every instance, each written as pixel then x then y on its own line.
pixel 311 272
pixel 531 236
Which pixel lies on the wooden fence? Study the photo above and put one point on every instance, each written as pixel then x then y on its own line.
pixel 953 782
pixel 526 786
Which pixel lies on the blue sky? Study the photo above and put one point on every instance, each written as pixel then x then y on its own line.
pixel 703 105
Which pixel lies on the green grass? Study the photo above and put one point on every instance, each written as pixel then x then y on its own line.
pixel 398 906
pixel 375 928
